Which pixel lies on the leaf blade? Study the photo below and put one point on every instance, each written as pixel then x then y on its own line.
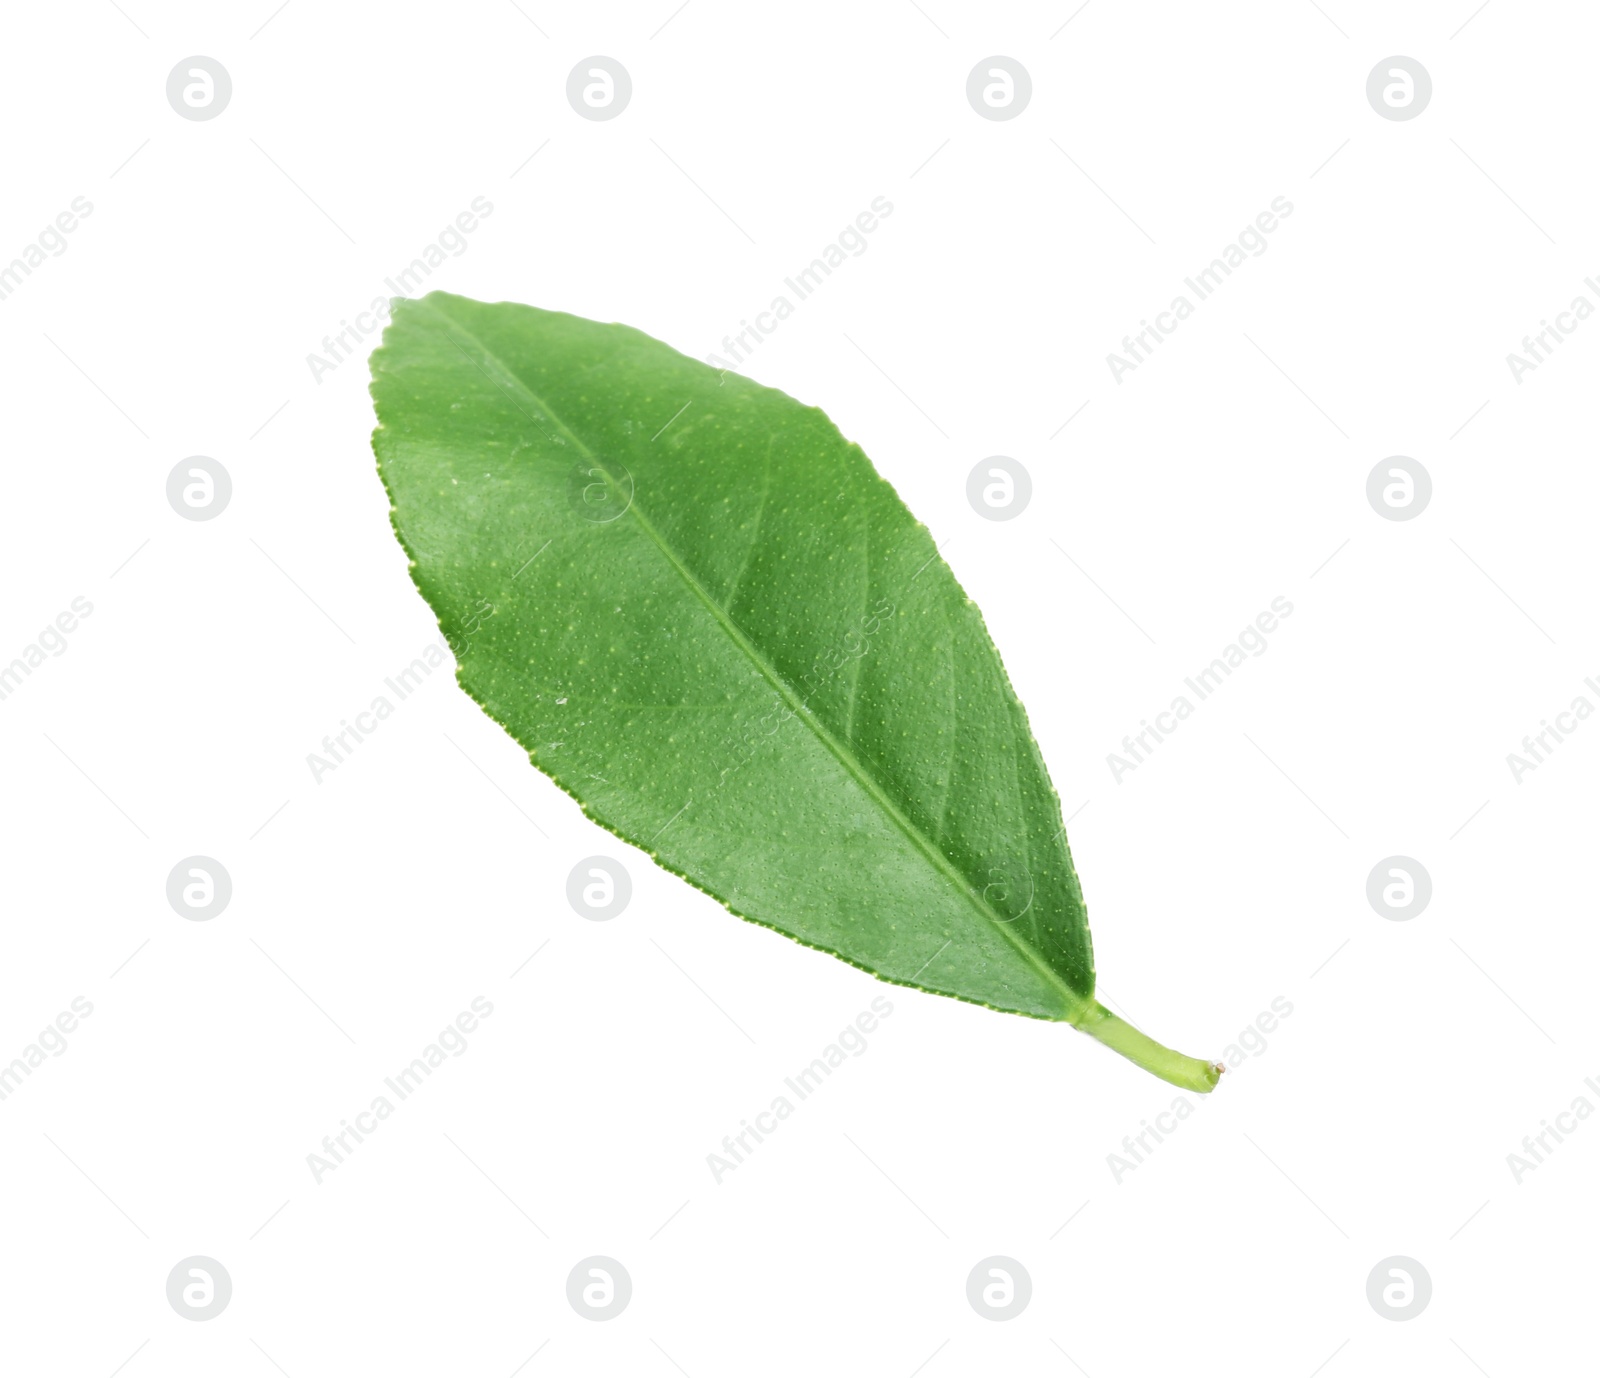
pixel 864 783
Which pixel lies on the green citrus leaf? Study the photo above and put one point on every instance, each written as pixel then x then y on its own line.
pixel 710 621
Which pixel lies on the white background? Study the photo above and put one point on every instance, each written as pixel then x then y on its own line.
pixel 369 909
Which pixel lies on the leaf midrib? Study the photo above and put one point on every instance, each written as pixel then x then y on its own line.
pixel 1079 1004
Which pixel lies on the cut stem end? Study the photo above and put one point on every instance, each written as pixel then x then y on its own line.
pixel 1191 1073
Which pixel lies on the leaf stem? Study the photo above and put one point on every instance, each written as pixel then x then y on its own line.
pixel 1191 1073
